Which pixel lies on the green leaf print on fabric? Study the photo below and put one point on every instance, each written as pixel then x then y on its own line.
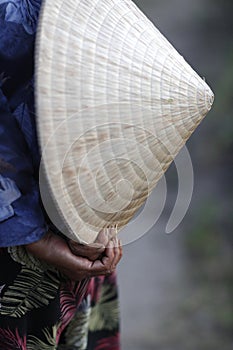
pixel 21 256
pixel 30 290
pixel 105 314
pixel 35 343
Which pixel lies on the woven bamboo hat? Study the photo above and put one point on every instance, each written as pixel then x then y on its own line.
pixel 115 104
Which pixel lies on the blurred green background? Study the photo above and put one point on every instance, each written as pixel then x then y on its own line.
pixel 177 290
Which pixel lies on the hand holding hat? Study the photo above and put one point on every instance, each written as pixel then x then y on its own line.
pixel 55 251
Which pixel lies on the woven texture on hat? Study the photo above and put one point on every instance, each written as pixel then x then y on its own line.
pixel 115 103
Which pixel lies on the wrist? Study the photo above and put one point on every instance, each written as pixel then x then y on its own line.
pixel 51 249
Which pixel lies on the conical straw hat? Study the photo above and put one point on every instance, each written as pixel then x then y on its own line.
pixel 115 104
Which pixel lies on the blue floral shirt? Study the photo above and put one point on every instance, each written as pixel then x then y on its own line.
pixel 22 218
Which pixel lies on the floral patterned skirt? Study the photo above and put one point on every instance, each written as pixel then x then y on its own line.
pixel 39 310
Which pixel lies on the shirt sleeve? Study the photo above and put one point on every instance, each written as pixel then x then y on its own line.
pixel 22 218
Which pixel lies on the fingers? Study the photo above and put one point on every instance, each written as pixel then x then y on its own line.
pixel 112 229
pixel 94 250
pixel 103 237
pixel 90 251
pixel 117 252
pixel 108 259
pixel 106 234
pixel 107 265
pixel 100 257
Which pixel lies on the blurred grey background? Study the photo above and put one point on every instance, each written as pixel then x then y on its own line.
pixel 176 290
